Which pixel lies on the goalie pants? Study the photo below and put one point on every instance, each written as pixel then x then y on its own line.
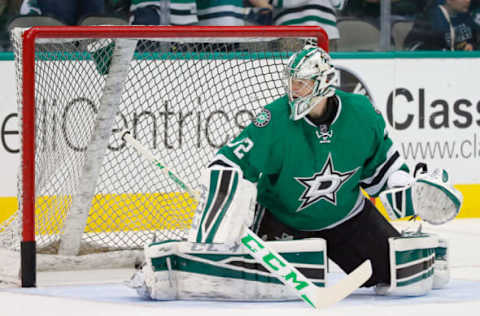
pixel 365 236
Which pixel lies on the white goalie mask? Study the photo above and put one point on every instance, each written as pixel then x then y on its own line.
pixel 311 64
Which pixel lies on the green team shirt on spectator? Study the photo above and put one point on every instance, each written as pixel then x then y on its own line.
pixel 221 12
pixel 308 12
pixel 312 180
pixel 182 12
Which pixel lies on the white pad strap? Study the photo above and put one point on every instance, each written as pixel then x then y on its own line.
pixel 226 206
pixel 441 274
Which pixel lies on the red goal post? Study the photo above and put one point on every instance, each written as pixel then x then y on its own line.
pixel 27 71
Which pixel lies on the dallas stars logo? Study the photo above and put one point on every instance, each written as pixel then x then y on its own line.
pixel 323 185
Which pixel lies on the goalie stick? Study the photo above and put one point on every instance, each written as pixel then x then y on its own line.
pixel 313 295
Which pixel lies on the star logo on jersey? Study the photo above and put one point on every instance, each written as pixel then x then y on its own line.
pixel 323 185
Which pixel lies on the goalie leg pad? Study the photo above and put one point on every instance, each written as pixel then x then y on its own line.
pixel 184 270
pixel 412 261
pixel 226 207
pixel 441 274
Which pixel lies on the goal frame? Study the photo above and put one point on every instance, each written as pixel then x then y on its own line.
pixel 28 245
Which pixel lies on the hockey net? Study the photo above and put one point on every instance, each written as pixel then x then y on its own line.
pixel 182 92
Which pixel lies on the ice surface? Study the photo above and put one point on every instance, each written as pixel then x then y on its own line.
pixel 90 297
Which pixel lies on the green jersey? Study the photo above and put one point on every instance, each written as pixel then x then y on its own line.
pixel 310 177
pixel 308 12
pixel 221 12
pixel 177 12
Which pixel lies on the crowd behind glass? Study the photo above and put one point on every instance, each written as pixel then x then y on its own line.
pixel 352 25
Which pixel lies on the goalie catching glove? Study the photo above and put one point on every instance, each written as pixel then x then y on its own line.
pixel 430 196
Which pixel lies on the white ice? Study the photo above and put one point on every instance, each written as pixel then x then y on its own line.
pixel 103 292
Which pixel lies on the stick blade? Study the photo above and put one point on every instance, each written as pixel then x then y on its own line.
pixel 331 295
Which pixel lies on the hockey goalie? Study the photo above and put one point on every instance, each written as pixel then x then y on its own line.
pixel 294 176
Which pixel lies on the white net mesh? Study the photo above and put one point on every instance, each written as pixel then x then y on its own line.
pixel 181 100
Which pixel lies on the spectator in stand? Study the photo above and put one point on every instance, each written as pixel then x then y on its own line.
pixel 67 11
pixel 475 9
pixel 306 12
pixel 220 12
pixel 476 19
pixel 400 9
pixel 233 12
pixel 258 12
pixel 8 9
pixel 189 12
pixel 163 12
pixel 225 13
pixel 184 12
pixel 447 26
pixel 119 8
